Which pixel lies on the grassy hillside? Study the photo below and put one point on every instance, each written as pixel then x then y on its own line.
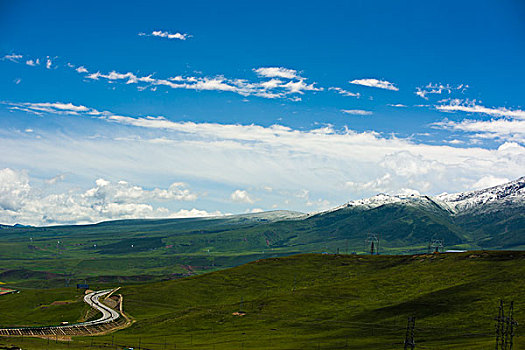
pixel 36 308
pixel 154 250
pixel 326 302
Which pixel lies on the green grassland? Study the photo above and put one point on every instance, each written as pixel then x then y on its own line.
pixel 34 307
pixel 308 301
pixel 154 250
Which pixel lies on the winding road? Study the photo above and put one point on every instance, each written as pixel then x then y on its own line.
pixel 103 324
pixel 108 314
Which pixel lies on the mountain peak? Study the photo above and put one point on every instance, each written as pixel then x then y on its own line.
pixel 510 191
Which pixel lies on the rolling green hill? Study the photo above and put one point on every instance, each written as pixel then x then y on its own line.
pixel 313 301
pixel 150 250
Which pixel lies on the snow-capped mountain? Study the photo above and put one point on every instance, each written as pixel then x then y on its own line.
pixel 513 191
pixel 382 199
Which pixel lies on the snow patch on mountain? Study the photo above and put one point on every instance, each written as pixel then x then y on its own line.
pixel 513 191
pixel 384 199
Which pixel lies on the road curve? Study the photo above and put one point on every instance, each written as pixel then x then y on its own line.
pixel 102 324
pixel 108 314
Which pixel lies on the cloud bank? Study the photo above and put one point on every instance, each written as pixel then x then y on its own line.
pixel 505 124
pixel 20 202
pixel 331 166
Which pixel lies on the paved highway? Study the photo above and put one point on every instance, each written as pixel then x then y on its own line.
pixel 108 314
pixel 100 325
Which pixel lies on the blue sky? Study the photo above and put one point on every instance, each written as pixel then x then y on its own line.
pixel 178 109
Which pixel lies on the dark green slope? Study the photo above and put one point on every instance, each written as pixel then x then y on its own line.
pixel 310 301
pixel 398 225
pixel 495 226
pixel 163 249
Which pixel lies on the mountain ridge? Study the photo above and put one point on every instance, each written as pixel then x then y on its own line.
pixel 455 202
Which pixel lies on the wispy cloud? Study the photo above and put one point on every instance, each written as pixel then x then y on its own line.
pixel 397 105
pixel 509 130
pixel 167 35
pixel 81 69
pixel 33 62
pixel 273 88
pixel 507 124
pixel 12 57
pixel 371 82
pixel 241 196
pixel 439 89
pixel 52 107
pixel 356 111
pixel 344 92
pixel 472 106
pixel 276 72
pixel 257 156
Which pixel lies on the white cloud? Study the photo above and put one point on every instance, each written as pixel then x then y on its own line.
pixel 81 69
pixel 356 111
pixel 48 63
pixel 273 88
pixel 489 181
pixel 431 88
pixel 406 164
pixel 33 62
pixel 123 192
pixel 344 92
pixel 56 179
pixel 381 84
pixel 299 86
pixel 12 57
pixel 512 130
pixel 376 185
pixel 506 124
pixel 193 213
pixel 276 72
pixel 21 203
pixel 53 107
pixel 471 106
pixel 241 196
pixel 397 105
pixel 167 35
pixel 14 189
pixel 335 165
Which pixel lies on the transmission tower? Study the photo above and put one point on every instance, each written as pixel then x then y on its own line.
pixel 372 244
pixel 505 327
pixel 437 245
pixel 409 336
pixel 499 326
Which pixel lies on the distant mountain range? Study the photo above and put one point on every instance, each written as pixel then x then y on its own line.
pixel 511 193
pixel 492 218
pixel 154 249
